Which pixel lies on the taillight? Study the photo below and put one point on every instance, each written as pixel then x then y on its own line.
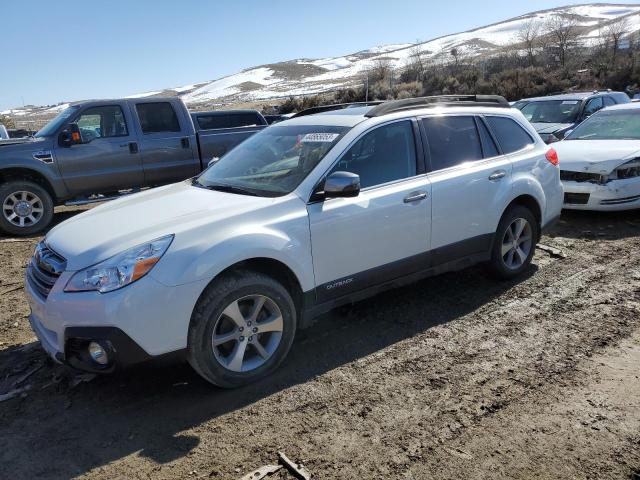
pixel 552 157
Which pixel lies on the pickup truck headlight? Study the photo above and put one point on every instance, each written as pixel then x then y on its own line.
pixel 120 270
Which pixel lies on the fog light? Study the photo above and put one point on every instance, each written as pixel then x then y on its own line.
pixel 98 353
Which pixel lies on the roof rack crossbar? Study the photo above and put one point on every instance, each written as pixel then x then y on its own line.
pixel 336 106
pixel 438 101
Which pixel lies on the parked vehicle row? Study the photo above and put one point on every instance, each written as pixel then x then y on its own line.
pixel 555 115
pixel 96 150
pixel 308 214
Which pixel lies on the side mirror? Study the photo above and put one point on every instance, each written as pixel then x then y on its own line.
pixel 341 185
pixel 70 136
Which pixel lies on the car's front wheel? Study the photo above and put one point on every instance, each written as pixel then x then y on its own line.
pixel 242 329
pixel 27 208
pixel 515 242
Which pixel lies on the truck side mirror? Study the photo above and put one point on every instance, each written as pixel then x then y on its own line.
pixel 341 185
pixel 70 136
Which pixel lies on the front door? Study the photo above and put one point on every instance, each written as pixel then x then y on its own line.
pixel 381 234
pixel 107 159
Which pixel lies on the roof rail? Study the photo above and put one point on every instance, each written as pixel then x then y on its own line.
pixel 438 101
pixel 335 106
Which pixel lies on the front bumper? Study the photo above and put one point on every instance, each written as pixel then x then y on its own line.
pixel 613 196
pixel 142 321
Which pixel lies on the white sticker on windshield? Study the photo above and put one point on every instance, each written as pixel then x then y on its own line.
pixel 570 102
pixel 319 137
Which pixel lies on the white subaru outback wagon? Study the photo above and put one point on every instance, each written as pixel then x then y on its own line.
pixel 325 209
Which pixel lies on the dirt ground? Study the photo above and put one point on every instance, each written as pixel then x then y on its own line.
pixel 455 377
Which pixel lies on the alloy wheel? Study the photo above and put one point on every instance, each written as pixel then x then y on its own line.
pixel 247 333
pixel 23 209
pixel 517 243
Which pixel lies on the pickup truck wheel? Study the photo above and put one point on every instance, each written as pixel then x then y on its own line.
pixel 515 243
pixel 241 329
pixel 27 208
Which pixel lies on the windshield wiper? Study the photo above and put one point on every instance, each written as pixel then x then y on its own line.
pixel 223 187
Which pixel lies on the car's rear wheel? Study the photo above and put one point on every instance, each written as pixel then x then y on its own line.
pixel 27 208
pixel 242 329
pixel 515 242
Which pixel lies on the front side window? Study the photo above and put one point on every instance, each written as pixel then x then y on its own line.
pixel 453 140
pixel 272 162
pixel 102 122
pixel 608 102
pixel 157 117
pixel 609 125
pixel 383 155
pixel 511 136
pixel 552 111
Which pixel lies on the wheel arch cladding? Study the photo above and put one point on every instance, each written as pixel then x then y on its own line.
pixel 29 175
pixel 270 267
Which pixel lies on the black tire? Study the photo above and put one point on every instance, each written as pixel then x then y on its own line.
pixel 220 294
pixel 29 227
pixel 498 265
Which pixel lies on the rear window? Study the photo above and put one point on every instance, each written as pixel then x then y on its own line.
pixel 452 140
pixel 511 136
pixel 231 120
pixel 157 117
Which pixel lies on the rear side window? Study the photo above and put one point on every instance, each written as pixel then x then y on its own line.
pixel 231 120
pixel 511 136
pixel 452 140
pixel 489 147
pixel 608 101
pixel 157 117
pixel 593 106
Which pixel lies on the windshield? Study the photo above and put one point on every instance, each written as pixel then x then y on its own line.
pixel 51 127
pixel 552 111
pixel 609 125
pixel 274 161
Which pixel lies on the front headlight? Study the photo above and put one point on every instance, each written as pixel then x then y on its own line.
pixel 630 169
pixel 120 270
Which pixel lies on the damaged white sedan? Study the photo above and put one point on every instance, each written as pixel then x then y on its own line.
pixel 600 161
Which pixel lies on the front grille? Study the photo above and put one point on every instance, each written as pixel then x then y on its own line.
pixel 576 198
pixel 45 268
pixel 580 177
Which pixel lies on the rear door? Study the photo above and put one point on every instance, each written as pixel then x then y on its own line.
pixel 470 181
pixel 107 160
pixel 167 145
pixel 383 233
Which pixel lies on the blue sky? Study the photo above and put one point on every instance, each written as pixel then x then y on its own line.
pixel 55 51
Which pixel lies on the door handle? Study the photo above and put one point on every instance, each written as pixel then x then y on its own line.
pixel 133 147
pixel 497 175
pixel 415 197
pixel 184 142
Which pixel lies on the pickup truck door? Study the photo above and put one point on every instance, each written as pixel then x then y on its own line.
pixel 108 159
pixel 383 233
pixel 167 141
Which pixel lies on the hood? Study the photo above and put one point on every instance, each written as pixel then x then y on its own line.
pixel 21 144
pixel 595 156
pixel 543 128
pixel 109 229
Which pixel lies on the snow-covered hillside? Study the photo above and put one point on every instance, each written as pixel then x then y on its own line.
pixel 308 76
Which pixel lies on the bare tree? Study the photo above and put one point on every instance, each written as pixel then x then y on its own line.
pixel 563 33
pixel 529 36
pixel 417 62
pixel 614 33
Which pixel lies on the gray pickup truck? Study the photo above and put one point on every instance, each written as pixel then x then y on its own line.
pixel 101 149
